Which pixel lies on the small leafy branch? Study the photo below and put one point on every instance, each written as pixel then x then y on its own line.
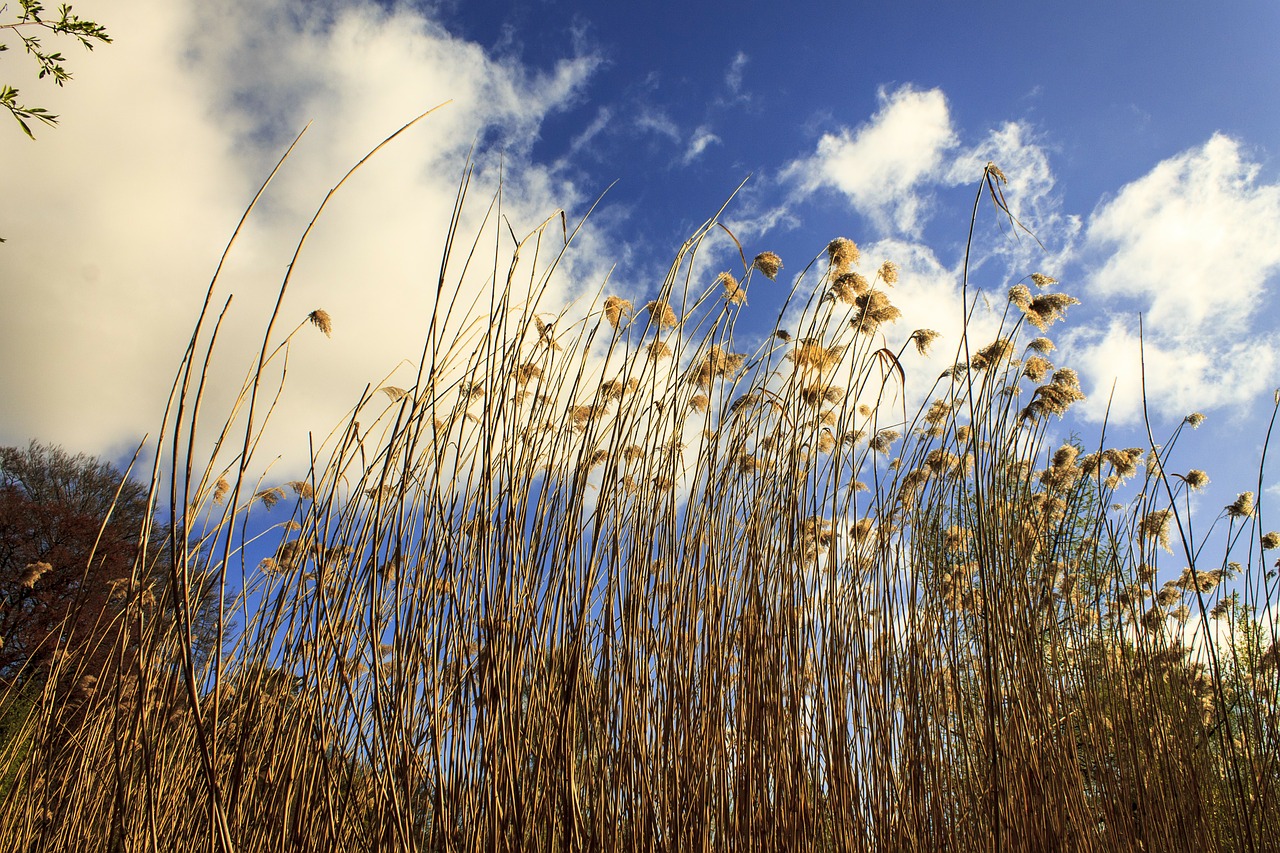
pixel 27 27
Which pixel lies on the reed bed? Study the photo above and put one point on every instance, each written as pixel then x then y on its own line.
pixel 605 580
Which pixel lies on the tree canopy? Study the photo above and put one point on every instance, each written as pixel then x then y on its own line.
pixel 30 25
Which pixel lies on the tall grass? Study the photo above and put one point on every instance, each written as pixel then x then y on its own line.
pixel 603 581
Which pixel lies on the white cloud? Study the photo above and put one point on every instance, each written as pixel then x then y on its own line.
pixel 733 77
pixel 881 166
pixel 166 134
pixel 656 121
pixel 1181 377
pixel 1192 246
pixel 1031 193
pixel 702 137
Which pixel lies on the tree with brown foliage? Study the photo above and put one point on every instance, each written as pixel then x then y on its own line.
pixel 69 527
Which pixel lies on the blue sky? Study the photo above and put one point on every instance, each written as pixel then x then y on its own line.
pixel 1140 140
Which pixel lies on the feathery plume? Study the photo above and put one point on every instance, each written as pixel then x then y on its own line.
pixel 320 319
pixel 769 264
pixel 616 310
pixel 1242 506
pixel 842 252
pixel 661 314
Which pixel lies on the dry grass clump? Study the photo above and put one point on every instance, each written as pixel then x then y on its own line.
pixel 683 597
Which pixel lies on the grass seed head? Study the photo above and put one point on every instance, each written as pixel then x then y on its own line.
pixel 843 253
pixel 923 339
pixel 874 308
pixel 769 264
pixel 320 319
pixel 616 309
pixel 661 314
pixel 1242 506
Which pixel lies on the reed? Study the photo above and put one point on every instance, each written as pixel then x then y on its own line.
pixel 609 580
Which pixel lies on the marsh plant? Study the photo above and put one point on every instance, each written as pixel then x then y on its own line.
pixel 610 579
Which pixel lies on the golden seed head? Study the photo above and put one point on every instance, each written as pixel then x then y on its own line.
pixel 616 310
pixel 769 264
pixel 33 572
pixel 1194 580
pixel 1155 525
pixel 611 389
pixel 826 441
pixel 1153 619
pixel 661 314
pixel 1042 280
pixel 583 415
pixel 847 286
pixel 1045 308
pixel 1242 507
pixel 733 292
pixel 992 354
pixel 1271 540
pixel 1196 479
pixel 809 353
pixel 955 537
pixel 699 403
pixel 302 489
pixel 889 272
pixel 937 412
pixel 1036 368
pixel 546 333
pixel 270 497
pixel 923 339
pixel 882 440
pixel 843 252
pixel 320 319
pixel 220 490
pixel 1042 345
pixel 1194 419
pixel 873 309
pixel 659 350
pixel 1020 295
pixel 1065 456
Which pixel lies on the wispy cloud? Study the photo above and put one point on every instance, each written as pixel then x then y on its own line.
pixel 733 77
pixel 702 137
pixel 653 120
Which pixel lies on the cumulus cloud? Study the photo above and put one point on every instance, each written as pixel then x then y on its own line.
pixel 1191 246
pixel 881 166
pixel 164 138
